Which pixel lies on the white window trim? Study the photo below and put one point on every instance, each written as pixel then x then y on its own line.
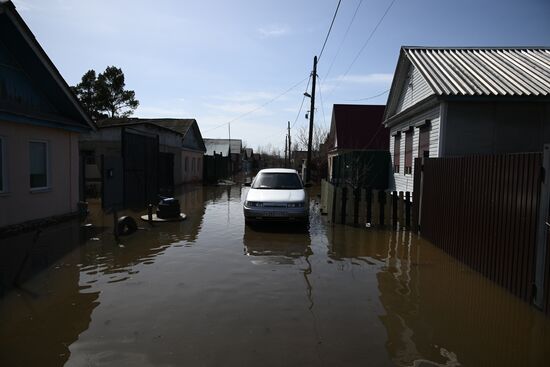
pixel 48 173
pixel 4 178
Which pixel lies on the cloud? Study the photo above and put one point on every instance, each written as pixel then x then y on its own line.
pixel 374 78
pixel 273 31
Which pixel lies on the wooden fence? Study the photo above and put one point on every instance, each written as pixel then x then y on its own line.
pixel 360 207
pixel 484 210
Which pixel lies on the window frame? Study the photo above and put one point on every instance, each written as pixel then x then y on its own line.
pixel 409 140
pixel 396 152
pixel 48 173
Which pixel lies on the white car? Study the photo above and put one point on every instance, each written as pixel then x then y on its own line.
pixel 276 194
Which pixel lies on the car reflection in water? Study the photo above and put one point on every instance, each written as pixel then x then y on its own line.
pixel 280 243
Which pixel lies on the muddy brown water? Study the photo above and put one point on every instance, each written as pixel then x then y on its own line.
pixel 211 292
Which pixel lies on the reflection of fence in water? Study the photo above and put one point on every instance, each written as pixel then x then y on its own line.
pixel 343 204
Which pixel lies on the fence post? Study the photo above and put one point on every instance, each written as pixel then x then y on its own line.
pixel 375 208
pixel 368 199
pixel 387 208
pixel 394 208
pixel 350 206
pixel 542 230
pixel 401 210
pixel 362 211
pixel 418 220
pixel 408 209
pixel 338 204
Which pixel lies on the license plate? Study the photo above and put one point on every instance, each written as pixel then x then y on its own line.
pixel 275 214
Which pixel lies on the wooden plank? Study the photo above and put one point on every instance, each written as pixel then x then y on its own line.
pixel 375 209
pixel 401 209
pixel 394 199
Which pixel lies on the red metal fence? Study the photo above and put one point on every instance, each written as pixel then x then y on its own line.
pixel 483 211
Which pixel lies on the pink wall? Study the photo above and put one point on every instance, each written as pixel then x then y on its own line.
pixel 19 204
pixel 191 175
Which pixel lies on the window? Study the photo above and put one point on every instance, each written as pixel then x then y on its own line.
pixel 424 140
pixel 186 163
pixel 397 153
pixel 408 151
pixel 38 154
pixel 193 165
pixel 3 173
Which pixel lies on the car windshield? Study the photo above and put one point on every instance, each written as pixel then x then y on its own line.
pixel 277 181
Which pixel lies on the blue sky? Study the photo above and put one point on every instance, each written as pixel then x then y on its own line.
pixel 216 60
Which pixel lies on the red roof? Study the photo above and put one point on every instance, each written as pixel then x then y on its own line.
pixel 358 127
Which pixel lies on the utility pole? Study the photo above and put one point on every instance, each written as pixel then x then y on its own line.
pixel 289 150
pixel 311 113
pixel 286 150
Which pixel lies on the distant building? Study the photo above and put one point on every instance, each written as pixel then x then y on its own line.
pixel 469 100
pixel 358 146
pixel 217 160
pixel 235 147
pixel 156 155
pixel 40 121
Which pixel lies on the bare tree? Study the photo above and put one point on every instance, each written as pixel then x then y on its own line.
pixel 302 137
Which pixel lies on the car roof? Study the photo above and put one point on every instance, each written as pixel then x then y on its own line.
pixel 278 170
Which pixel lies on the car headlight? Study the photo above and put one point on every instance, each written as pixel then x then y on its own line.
pixel 252 204
pixel 296 205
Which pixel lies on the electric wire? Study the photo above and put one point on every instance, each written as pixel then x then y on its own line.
pixel 301 105
pixel 371 97
pixel 329 29
pixel 343 39
pixel 259 107
pixel 364 45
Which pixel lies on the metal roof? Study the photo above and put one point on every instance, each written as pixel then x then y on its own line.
pixel 236 144
pixel 218 147
pixel 507 71
pixel 358 127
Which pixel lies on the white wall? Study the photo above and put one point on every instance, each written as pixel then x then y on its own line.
pixel 19 204
pixel 414 90
pixel 402 182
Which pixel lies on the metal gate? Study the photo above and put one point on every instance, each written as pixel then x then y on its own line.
pixel 141 155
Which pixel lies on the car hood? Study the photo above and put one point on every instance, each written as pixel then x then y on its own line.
pixel 274 196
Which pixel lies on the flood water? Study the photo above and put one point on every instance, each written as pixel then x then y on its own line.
pixel 211 292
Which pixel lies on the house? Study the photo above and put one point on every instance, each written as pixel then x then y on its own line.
pixel 217 161
pixel 358 146
pixel 192 149
pixel 155 155
pixel 461 101
pixel 40 121
pixel 236 146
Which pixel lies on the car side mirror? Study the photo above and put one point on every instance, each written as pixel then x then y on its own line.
pixel 308 185
pixel 247 183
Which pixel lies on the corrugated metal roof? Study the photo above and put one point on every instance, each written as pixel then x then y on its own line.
pixel 484 71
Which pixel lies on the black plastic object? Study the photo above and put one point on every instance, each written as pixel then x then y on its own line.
pixel 168 208
pixel 126 225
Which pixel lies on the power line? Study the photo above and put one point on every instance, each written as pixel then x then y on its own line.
pixel 371 97
pixel 258 108
pixel 365 44
pixel 330 28
pixel 302 104
pixel 344 38
pixel 322 104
